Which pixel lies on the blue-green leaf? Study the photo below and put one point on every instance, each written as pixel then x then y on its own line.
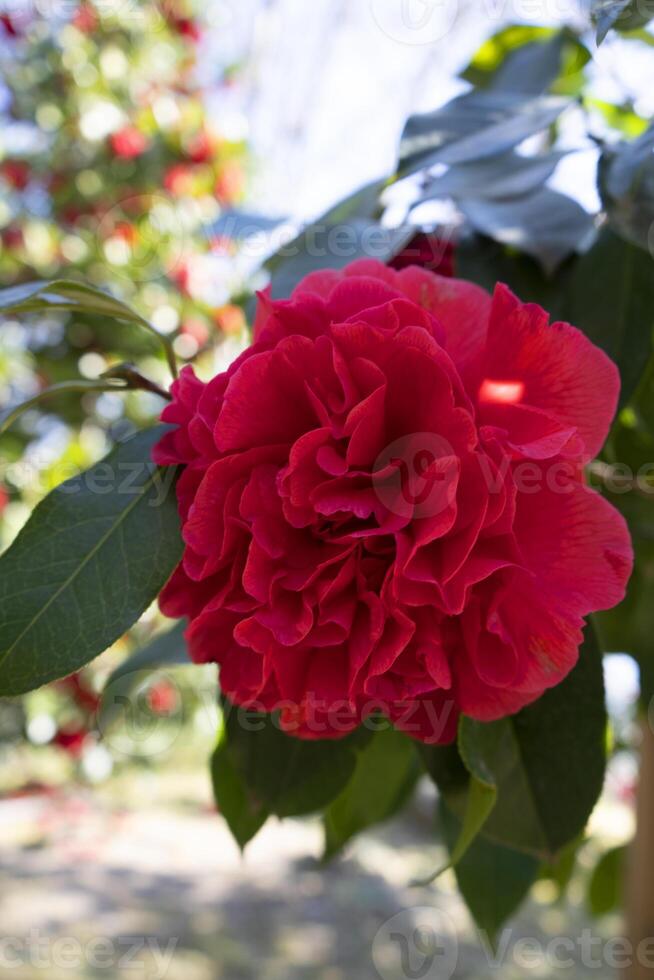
pixel 92 557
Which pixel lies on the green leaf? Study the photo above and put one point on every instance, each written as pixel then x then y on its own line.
pixel 92 557
pixel 626 184
pixel 498 53
pixel 362 203
pixel 623 118
pixel 387 768
pixel 485 262
pixel 493 880
pixel 473 126
pixel 474 803
pixel 533 68
pixel 629 627
pixel 481 794
pixel 547 225
pixel 333 245
pixel 480 801
pixel 165 650
pixel 504 176
pixel 531 60
pixel 289 776
pixel 68 296
pixel 445 767
pixel 611 298
pixel 548 760
pixel 605 14
pixel 244 813
pixel 605 885
pixel 349 230
pixel 623 15
pixel 560 871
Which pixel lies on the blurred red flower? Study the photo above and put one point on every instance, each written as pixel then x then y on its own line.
pixel 162 698
pixel 16 173
pixel 230 183
pixel 71 740
pixel 128 142
pixel 179 179
pixel 85 18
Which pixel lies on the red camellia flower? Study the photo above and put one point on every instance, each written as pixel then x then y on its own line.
pixel 384 508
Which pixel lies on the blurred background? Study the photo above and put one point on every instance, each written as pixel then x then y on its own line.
pixel 131 132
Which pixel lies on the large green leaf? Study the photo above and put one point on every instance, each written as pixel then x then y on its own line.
pixel 547 761
pixel 531 60
pixel 533 68
pixel 611 298
pixel 244 812
pixel 499 48
pixel 492 879
pixel 487 262
pixel 286 775
pixel 167 649
pixel 92 557
pixel 545 224
pixel 508 175
pixel 386 771
pixel 473 126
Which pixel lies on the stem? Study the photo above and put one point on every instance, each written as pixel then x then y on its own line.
pixel 64 387
pixel 167 346
pixel 134 379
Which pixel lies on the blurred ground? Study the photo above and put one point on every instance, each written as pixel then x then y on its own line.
pixel 83 863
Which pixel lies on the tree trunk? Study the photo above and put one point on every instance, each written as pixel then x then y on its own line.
pixel 639 906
